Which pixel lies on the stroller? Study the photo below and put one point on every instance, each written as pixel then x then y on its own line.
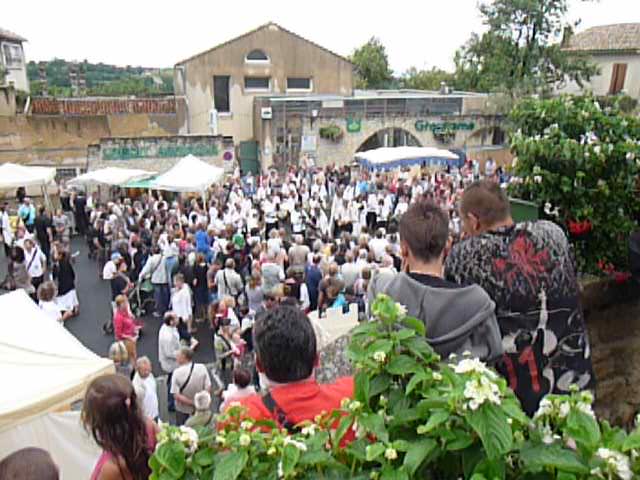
pixel 141 299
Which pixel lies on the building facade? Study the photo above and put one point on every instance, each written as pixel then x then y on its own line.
pixel 219 86
pixel 615 49
pixel 12 60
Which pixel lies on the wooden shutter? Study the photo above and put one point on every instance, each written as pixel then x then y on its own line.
pixel 618 76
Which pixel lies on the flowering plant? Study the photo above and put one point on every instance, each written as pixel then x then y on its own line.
pixel 581 162
pixel 413 415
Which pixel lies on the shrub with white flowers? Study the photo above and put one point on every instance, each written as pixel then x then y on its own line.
pixel 412 417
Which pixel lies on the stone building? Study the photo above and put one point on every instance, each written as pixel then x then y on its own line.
pixel 219 85
pixel 615 49
pixel 281 97
pixel 12 60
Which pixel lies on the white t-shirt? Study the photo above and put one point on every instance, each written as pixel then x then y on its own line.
pixel 51 310
pixel 181 302
pixel 35 261
pixel 198 382
pixel 109 270
pixel 150 400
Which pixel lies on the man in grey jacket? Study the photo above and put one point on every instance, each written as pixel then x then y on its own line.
pixel 457 318
pixel 156 269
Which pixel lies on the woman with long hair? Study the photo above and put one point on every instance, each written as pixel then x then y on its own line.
pixel 111 414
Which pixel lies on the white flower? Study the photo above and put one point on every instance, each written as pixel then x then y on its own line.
pixel 221 440
pixel 547 435
pixel 436 376
pixel 630 156
pixel 299 445
pixel 586 408
pixel 481 390
pixel 390 454
pixel 537 178
pixel 355 405
pixel 189 437
pixel 383 400
pixel 272 451
pixel 466 353
pixel 544 409
pixel 401 310
pixel 616 462
pixel 244 440
pixel 379 356
pixel 246 425
pixel 309 430
pixel 280 469
pixel 564 410
pixel 470 365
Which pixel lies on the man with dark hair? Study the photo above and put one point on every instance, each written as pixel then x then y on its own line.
pixel 457 318
pixel 286 356
pixel 527 270
pixel 29 464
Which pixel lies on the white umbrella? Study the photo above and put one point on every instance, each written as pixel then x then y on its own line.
pixel 397 157
pixel 190 174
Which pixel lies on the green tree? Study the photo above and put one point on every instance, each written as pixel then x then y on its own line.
pixel 425 79
pixel 372 65
pixel 521 52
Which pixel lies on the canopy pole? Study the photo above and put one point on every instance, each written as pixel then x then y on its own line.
pixel 47 200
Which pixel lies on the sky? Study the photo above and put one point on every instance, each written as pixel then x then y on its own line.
pixel 160 33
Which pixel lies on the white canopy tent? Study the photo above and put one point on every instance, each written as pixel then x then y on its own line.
pixel 44 369
pixel 397 157
pixel 13 176
pixel 190 174
pixel 110 176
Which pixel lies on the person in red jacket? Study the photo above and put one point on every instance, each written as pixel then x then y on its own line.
pixel 286 356
pixel 125 328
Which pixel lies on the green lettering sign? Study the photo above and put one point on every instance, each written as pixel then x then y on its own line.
pixel 171 151
pixel 436 127
pixel 354 125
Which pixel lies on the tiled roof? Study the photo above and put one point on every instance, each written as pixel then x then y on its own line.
pixel 261 27
pixel 622 36
pixel 6 34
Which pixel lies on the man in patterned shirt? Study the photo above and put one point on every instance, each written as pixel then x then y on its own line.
pixel 528 271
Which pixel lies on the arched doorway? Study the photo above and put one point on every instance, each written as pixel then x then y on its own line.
pixel 389 137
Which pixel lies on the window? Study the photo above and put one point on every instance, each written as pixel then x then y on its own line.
pixel 257 83
pixel 298 83
pixel 221 93
pixel 64 174
pixel 12 53
pixel 256 56
pixel 618 75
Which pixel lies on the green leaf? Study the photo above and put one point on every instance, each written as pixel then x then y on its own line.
pixel 415 324
pixel 374 451
pixel 415 380
pixel 381 345
pixel 437 418
pixel 315 457
pixel 419 347
pixel 514 410
pixel 463 440
pixel 374 423
pixel 343 426
pixel 205 457
pixel 632 441
pixel 230 465
pixel 404 334
pixel 362 387
pixel 379 384
pixel 391 473
pixel 536 458
pixel 491 469
pixel 490 423
pixel 583 428
pixel 565 476
pixel 365 328
pixel 172 457
pixel 290 457
pixel 418 451
pixel 401 365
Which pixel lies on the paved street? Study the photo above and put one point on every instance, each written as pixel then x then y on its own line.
pixel 94 296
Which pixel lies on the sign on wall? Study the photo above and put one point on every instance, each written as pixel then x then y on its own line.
pixel 309 143
pixel 354 125
pixel 150 151
pixel 425 125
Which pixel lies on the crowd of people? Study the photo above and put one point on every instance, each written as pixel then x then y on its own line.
pixel 250 262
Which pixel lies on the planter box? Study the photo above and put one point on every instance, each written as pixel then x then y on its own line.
pixel 612 315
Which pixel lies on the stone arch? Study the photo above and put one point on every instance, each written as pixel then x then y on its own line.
pixel 392 136
pixel 493 135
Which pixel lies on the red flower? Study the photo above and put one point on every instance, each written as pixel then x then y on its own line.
pixel 606 267
pixel 621 277
pixel 579 228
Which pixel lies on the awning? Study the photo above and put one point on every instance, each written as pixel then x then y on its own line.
pixel 13 175
pixel 147 183
pixel 387 158
pixel 190 174
pixel 114 176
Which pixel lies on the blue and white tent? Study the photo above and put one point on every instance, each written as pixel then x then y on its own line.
pixel 387 158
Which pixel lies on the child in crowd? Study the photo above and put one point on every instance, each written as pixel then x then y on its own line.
pixel 238 346
pixel 240 388
pixel 203 414
pixel 46 301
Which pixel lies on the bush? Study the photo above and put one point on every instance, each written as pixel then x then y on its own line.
pixel 412 416
pixel 581 162
pixel 331 132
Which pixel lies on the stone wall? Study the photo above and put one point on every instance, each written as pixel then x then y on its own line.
pixel 7 100
pixel 612 313
pixel 159 153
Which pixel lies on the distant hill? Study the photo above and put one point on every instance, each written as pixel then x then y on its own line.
pixel 101 79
